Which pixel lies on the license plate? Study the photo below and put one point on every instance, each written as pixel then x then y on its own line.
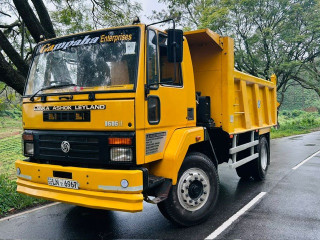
pixel 64 183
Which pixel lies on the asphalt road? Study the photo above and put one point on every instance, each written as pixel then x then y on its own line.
pixel 288 210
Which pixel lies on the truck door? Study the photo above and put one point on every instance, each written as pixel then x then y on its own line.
pixel 166 104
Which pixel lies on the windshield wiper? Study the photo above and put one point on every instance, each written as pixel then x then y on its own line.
pixel 51 87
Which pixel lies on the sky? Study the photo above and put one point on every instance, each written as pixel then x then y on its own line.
pixel 148 6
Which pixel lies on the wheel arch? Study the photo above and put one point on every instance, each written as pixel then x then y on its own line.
pixel 176 150
pixel 205 148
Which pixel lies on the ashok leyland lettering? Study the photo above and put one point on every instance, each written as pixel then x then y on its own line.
pixel 117 116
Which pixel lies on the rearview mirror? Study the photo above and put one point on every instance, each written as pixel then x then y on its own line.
pixel 175 45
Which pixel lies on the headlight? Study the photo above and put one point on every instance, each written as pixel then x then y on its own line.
pixel 121 154
pixel 27 144
pixel 28 149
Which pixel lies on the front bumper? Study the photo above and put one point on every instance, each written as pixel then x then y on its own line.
pixel 98 188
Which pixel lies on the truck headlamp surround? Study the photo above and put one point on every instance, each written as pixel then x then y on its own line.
pixel 121 154
pixel 28 149
pixel 27 144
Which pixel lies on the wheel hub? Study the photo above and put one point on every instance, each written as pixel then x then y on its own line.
pixel 193 189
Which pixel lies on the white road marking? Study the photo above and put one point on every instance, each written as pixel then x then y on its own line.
pixel 29 211
pixel 307 159
pixel 227 223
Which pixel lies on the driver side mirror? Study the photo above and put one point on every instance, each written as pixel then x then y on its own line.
pixel 175 45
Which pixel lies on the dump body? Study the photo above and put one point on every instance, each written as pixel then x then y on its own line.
pixel 239 102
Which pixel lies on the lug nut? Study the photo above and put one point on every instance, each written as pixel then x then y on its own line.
pixel 190 201
pixel 204 185
pixel 187 187
pixel 201 199
pixel 187 195
pixel 191 174
pixel 196 178
pixel 201 179
pixel 190 181
pixel 204 192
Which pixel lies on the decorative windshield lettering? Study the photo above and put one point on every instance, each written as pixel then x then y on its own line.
pixel 63 45
pixel 115 38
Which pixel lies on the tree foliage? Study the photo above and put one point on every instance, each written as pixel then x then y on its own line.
pixel 271 36
pixel 78 15
pixel 24 23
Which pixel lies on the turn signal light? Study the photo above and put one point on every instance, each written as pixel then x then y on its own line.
pixel 27 137
pixel 120 141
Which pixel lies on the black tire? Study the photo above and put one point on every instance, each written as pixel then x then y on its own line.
pixel 256 168
pixel 203 193
pixel 260 165
pixel 244 171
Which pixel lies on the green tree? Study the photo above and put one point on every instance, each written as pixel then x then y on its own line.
pixel 22 25
pixel 309 75
pixel 271 36
pixel 77 15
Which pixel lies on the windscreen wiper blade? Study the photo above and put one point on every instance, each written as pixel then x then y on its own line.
pixel 51 87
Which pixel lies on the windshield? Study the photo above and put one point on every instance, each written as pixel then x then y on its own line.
pixel 104 60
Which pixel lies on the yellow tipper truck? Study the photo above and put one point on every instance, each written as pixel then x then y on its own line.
pixel 117 116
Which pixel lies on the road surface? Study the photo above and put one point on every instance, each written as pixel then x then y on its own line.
pixel 285 206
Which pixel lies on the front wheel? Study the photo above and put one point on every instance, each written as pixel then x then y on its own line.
pixel 193 198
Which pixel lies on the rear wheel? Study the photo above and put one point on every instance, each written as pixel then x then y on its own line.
pixel 194 197
pixel 244 171
pixel 258 167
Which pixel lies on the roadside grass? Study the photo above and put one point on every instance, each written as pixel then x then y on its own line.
pixel 10 151
pixel 10 200
pixel 9 125
pixel 296 122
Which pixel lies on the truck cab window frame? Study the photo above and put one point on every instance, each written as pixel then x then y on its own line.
pixel 152 59
pixel 70 54
pixel 166 69
pixel 154 110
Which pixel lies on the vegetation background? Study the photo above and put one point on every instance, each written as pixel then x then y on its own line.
pixel 271 36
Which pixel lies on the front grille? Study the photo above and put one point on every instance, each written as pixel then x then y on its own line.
pixel 66 116
pixel 89 148
pixel 81 148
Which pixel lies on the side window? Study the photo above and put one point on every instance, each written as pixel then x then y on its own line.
pixel 152 58
pixel 167 70
pixel 153 109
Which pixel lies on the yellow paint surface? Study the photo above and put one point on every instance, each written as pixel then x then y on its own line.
pixel 239 102
pixel 89 180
